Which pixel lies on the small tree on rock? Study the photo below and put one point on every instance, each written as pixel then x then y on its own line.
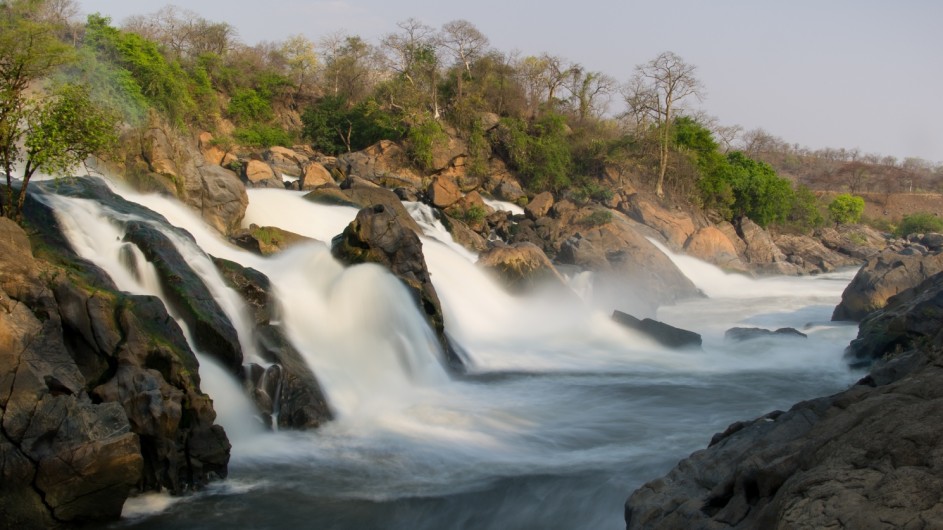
pixel 846 209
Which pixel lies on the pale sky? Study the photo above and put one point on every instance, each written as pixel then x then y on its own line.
pixel 864 74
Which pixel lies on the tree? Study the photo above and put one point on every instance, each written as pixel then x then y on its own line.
pixel 589 92
pixel 656 90
pixel 301 60
pixel 28 52
pixel 59 133
pixel 466 43
pixel 846 209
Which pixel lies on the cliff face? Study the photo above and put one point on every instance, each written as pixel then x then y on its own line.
pixel 868 457
pixel 99 394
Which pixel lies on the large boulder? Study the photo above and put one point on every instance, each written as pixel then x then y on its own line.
pixel 910 319
pixel 761 252
pixel 384 163
pixel 287 387
pixel 285 161
pixel 160 159
pixel 539 205
pixel 315 176
pixel 810 255
pixel 443 192
pixel 522 267
pixel 361 193
pixel 882 277
pixel 712 245
pixel 379 235
pixel 664 334
pixel 675 227
pixel 260 174
pixel 858 241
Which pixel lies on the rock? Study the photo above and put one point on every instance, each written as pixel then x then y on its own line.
pixel 285 161
pixel 331 196
pixel 213 154
pixel 501 183
pixel 539 205
pixel 933 242
pixel 211 328
pixel 258 172
pixel 857 241
pixel 287 389
pixel 464 235
pixel 17 274
pixel 446 154
pixel 741 334
pixel 714 246
pixel 761 252
pixel 664 334
pixel 522 267
pixel 159 159
pixel 882 277
pixel 379 235
pixel 384 163
pixel 224 198
pixel 910 319
pixel 676 228
pixel 269 239
pixel 867 457
pixel 812 254
pixel 443 192
pixel 365 194
pixel 315 176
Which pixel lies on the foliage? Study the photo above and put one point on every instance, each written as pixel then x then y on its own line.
pixel 161 81
pixel 61 132
pixel 474 214
pixel 919 223
pixel 539 152
pixel 333 128
pixel 423 139
pixel 805 213
pixel 261 135
pixel 846 209
pixel 599 217
pixel 247 106
pixel 758 192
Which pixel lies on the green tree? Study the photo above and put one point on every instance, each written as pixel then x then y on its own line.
pixel 846 209
pixel 539 151
pixel 59 133
pixel 333 128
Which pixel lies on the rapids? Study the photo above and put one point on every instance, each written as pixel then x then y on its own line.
pixel 562 415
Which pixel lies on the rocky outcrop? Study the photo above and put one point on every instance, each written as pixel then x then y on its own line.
pixel 675 227
pixel 99 392
pixel 865 458
pixel 539 205
pixel 761 252
pixel 712 245
pixel 882 277
pixel 522 267
pixel 261 175
pixel 383 163
pixel 665 334
pixel 810 255
pixel 267 240
pixel 160 160
pixel 379 235
pixel 443 192
pixel 287 390
pixel 857 241
pixel 360 193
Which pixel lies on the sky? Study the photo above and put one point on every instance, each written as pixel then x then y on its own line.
pixel 865 74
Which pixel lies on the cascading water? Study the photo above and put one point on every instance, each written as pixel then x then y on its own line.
pixel 562 415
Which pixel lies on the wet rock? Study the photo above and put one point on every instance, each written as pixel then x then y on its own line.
pixel 675 227
pixel 741 334
pixel 664 334
pixel 379 235
pixel 522 267
pixel 882 277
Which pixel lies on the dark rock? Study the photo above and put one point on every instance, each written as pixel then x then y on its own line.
pixel 211 328
pixel 741 334
pixel 882 277
pixel 665 334
pixel 379 235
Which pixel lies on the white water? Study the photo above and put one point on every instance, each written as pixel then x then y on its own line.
pixel 504 206
pixel 565 412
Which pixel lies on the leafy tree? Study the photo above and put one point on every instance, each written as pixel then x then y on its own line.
pixel 846 209
pixel 540 151
pixel 59 133
pixel 247 106
pixel 333 128
pixel 422 141
pixel 805 213
pixel 919 223
pixel 759 193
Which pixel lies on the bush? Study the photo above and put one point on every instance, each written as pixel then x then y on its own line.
pixel 333 129
pixel 259 135
pixel 805 213
pixel 919 223
pixel 597 218
pixel 474 214
pixel 247 106
pixel 846 209
pixel 423 139
pixel 540 152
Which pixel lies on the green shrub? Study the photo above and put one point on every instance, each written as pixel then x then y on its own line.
pixel 423 139
pixel 474 214
pixel 919 223
pixel 259 135
pixel 247 106
pixel 597 218
pixel 846 209
pixel 539 152
pixel 805 213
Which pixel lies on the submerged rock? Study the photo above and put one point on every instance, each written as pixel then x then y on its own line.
pixel 741 334
pixel 665 334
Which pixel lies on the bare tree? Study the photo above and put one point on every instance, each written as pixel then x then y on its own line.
pixel 590 92
pixel 656 90
pixel 466 43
